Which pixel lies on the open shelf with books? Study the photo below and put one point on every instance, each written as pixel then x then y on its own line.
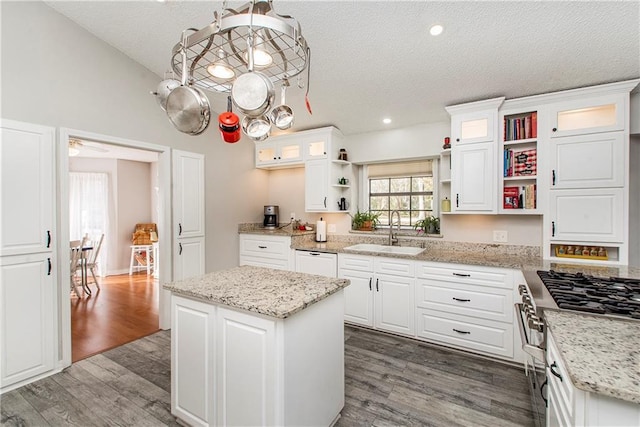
pixel 518 183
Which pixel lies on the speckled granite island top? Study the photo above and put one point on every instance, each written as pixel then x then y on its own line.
pixel 601 354
pixel 275 293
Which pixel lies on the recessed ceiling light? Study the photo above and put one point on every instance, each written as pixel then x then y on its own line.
pixel 436 30
pixel 386 121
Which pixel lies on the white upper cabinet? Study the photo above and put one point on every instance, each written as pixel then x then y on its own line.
pixel 473 179
pixel 279 152
pixel 473 127
pixel 28 188
pixel 188 197
pixel 588 161
pixel 592 115
pixel 316 186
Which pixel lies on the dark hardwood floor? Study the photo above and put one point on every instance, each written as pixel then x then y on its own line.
pixel 389 381
pixel 123 310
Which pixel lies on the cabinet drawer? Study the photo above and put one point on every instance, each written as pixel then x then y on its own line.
pixel 477 301
pixel 355 262
pixel 475 276
pixel 396 267
pixel 278 264
pixel 265 246
pixel 465 332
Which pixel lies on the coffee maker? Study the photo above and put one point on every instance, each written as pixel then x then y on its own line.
pixel 270 216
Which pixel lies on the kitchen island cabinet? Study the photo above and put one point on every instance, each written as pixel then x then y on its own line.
pixel 257 346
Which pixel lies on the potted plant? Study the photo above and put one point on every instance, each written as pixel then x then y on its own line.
pixel 428 225
pixel 365 220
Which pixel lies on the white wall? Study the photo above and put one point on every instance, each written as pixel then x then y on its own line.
pixel 634 125
pixel 634 201
pixel 56 73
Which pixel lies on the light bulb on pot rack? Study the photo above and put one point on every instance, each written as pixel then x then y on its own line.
pixel 221 57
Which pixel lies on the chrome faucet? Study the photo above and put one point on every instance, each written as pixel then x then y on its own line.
pixel 393 238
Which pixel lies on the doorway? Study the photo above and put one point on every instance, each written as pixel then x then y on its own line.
pixel 127 306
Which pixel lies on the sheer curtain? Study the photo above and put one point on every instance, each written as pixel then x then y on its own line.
pixel 89 210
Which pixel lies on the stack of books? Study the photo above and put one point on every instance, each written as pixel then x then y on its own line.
pixel 522 127
pixel 520 163
pixel 523 197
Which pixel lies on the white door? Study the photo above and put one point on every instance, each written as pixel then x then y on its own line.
pixel 188 193
pixel 316 185
pixel 246 376
pixel 473 186
pixel 188 258
pixel 394 304
pixel 358 297
pixel 588 161
pixel 28 188
pixel 27 322
pixel 188 214
pixel 593 215
pixel 319 263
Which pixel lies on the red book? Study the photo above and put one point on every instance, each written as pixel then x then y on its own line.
pixel 525 162
pixel 510 197
pixel 534 124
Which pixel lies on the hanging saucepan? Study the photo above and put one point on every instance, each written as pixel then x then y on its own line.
pixel 256 128
pixel 252 92
pixel 229 124
pixel 165 87
pixel 188 107
pixel 282 115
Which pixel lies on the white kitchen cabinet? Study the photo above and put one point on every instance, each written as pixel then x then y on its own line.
pixel 570 406
pixel 316 186
pixel 232 367
pixel 279 152
pixel 588 161
pixel 323 264
pixel 381 293
pixel 477 126
pixel 592 215
pixel 588 115
pixel 193 393
pixel 27 182
pixel 473 178
pixel 27 320
pixel 266 251
pixel 466 307
pixel 188 258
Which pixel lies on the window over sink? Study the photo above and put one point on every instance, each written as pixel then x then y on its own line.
pixel 407 187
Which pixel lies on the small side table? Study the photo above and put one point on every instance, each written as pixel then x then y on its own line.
pixel 148 255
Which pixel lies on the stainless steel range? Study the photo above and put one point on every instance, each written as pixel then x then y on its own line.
pixel 607 296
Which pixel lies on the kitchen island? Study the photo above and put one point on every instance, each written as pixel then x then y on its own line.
pixel 256 346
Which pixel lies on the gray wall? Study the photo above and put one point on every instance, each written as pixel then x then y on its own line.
pixel 56 73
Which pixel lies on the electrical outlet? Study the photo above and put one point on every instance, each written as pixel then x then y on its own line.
pixel 332 228
pixel 292 216
pixel 500 236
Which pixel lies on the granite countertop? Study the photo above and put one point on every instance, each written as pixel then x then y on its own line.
pixel 480 257
pixel 601 354
pixel 274 293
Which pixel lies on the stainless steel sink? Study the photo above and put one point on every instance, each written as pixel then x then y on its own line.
pixel 385 249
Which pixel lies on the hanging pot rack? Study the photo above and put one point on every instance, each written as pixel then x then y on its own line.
pixel 226 39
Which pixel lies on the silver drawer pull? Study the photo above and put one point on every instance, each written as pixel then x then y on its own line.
pixel 461 300
pixel 461 275
pixel 262 247
pixel 461 332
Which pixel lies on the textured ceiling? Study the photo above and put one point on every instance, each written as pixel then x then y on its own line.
pixel 376 59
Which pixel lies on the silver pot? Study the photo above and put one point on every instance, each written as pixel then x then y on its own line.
pixel 253 93
pixel 282 115
pixel 164 89
pixel 256 128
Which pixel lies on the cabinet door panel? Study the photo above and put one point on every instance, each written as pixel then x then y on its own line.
pixel 394 304
pixel 587 215
pixel 27 324
pixel 473 127
pixel 192 361
pixel 590 161
pixel 246 369
pixel 590 115
pixel 358 297
pixel 188 200
pixel 27 185
pixel 473 178
pixel 317 263
pixel 188 258
pixel 316 176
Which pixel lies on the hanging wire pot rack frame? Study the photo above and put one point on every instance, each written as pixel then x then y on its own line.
pixel 279 35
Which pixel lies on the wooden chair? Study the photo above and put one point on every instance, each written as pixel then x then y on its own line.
pixel 92 259
pixel 74 261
